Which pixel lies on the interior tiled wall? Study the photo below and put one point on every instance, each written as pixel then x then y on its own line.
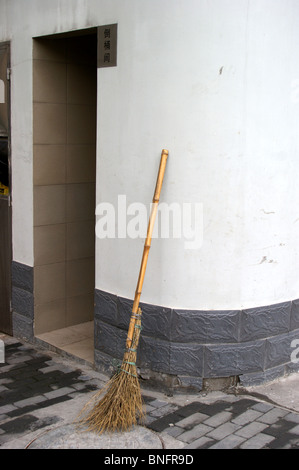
pixel 64 137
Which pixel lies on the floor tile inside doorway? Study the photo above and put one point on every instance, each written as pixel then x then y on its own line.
pixel 77 340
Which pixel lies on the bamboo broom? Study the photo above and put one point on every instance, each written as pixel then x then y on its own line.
pixel 119 404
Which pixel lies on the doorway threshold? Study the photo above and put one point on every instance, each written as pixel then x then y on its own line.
pixel 76 340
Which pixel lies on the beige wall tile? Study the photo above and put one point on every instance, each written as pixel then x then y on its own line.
pixel 49 164
pixel 80 278
pixel 79 309
pixel 49 49
pixel 81 84
pixel 81 124
pixel 49 204
pixel 49 244
pixel 49 123
pixel 49 81
pixel 50 316
pixel 49 282
pixel 81 163
pixel 80 201
pixel 80 239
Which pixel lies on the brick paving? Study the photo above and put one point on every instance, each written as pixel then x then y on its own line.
pixel 33 380
pixel 30 381
pixel 226 424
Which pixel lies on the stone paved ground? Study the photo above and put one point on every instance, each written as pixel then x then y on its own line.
pixel 29 381
pixel 39 391
pixel 230 423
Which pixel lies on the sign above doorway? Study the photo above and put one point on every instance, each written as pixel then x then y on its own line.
pixel 107 45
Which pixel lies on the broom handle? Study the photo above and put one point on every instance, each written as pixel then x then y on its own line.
pixel 147 245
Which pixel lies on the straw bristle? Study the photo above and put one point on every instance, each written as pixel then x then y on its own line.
pixel 119 405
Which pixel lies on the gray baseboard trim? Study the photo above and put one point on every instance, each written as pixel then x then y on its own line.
pixel 189 346
pixel 22 301
pixel 181 348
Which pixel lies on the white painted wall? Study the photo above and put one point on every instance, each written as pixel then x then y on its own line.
pixel 232 138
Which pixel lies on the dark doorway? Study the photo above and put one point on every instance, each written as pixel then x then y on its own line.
pixel 64 172
pixel 5 188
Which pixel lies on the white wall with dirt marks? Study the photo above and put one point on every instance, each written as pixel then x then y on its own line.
pixel 216 82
